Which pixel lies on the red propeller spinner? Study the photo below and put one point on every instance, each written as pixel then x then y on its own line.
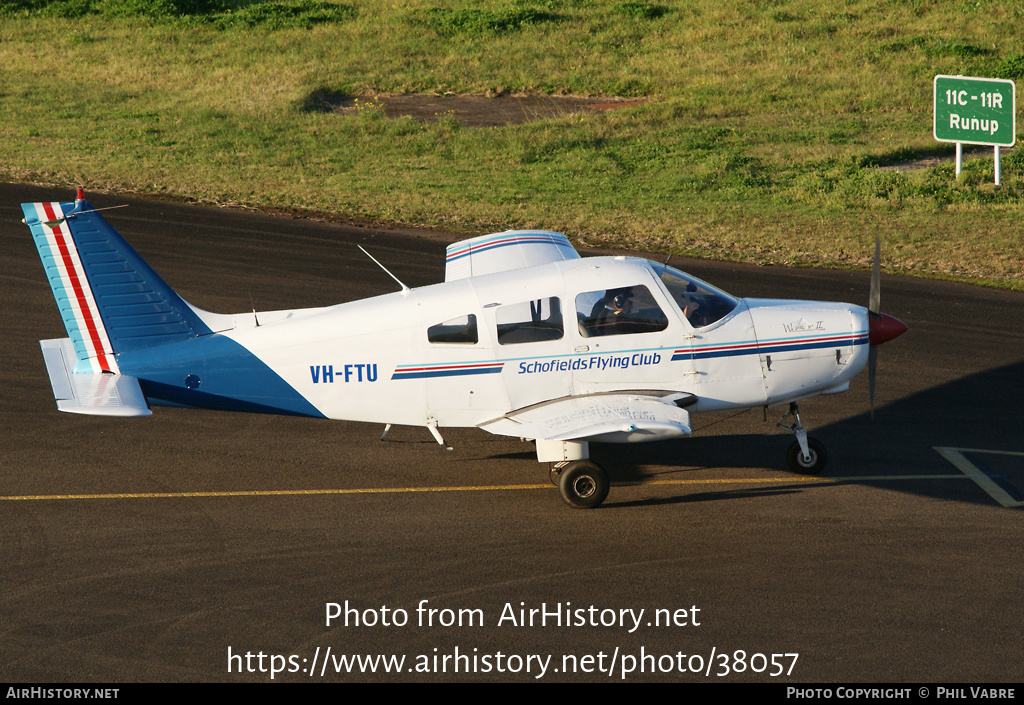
pixel 882 328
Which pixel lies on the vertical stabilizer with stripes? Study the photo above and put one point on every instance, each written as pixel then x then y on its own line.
pixel 110 299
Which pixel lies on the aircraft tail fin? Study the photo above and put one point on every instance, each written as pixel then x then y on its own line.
pixel 110 299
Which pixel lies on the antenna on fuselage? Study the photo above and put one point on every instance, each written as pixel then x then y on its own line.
pixel 255 318
pixel 405 289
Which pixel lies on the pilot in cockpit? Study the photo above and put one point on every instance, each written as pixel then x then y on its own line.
pixel 613 308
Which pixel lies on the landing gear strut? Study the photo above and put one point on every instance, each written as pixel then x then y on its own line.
pixel 806 455
pixel 583 484
pixel 555 473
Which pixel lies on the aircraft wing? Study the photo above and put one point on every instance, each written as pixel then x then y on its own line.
pixel 95 393
pixel 616 417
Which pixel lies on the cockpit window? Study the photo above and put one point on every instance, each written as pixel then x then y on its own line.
pixel 701 303
pixel 619 311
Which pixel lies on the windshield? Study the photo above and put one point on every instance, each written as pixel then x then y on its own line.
pixel 701 303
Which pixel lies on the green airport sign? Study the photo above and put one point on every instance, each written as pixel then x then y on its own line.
pixel 975 110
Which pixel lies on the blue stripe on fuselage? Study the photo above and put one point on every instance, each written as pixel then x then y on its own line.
pixel 422 374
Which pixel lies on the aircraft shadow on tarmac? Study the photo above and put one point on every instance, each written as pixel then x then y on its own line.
pixel 975 412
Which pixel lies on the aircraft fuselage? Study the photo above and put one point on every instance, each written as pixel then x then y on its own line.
pixel 392 358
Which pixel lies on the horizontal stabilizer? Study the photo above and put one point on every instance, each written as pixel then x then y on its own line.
pixel 623 417
pixel 96 393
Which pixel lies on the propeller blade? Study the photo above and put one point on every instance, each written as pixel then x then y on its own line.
pixel 875 297
pixel 881 327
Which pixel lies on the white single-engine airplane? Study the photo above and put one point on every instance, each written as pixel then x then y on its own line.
pixel 524 338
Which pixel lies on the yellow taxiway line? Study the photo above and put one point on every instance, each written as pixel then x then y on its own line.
pixel 467 488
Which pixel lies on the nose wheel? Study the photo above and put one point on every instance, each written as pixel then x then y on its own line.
pixel 806 455
pixel 810 463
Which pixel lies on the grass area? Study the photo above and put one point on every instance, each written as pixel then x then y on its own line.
pixel 765 139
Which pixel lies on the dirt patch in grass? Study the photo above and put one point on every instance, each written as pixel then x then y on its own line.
pixel 469 110
pixel 970 151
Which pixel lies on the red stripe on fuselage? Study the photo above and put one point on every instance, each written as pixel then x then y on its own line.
pixel 425 368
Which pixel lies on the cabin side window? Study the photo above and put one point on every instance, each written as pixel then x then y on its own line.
pixel 530 321
pixel 620 311
pixel 457 330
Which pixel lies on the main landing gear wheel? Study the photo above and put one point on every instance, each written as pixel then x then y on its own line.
pixel 583 484
pixel 813 463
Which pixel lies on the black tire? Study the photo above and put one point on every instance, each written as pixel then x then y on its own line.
pixel 583 484
pixel 813 466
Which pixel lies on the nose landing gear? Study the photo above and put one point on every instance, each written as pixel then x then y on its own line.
pixel 806 455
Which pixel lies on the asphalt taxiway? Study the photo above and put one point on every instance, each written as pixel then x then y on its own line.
pixel 181 546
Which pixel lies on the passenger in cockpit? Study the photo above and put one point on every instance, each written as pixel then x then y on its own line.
pixel 688 305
